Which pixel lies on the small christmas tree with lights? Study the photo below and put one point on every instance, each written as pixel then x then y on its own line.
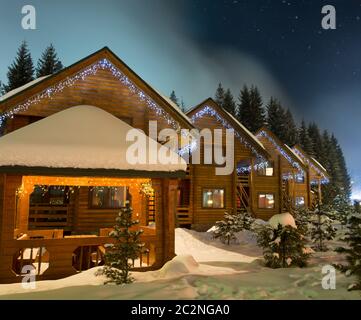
pixel 125 249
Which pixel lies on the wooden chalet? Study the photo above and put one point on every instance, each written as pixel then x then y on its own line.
pixel 287 181
pixel 63 174
pixel 317 174
pixel 210 194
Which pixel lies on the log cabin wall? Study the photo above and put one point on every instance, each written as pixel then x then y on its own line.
pixel 101 90
pixel 205 178
pixel 274 184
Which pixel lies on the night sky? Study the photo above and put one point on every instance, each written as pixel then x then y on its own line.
pixel 191 45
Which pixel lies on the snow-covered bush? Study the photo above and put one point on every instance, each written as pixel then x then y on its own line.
pixel 227 228
pixel 125 249
pixel 246 220
pixel 283 243
pixel 353 250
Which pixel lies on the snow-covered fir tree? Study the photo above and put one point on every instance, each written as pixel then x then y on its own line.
pixel 352 250
pixel 219 95
pixel 125 249
pixel 275 117
pixel 322 228
pixel 174 98
pixel 21 70
pixel 250 108
pixel 49 63
pixel 226 229
pixel 245 220
pixel 283 243
pixel 304 139
pixel 291 133
pixel 302 217
pixel 229 103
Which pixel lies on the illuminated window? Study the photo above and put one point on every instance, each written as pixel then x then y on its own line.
pixel 300 178
pixel 213 198
pixel 266 201
pixel 266 170
pixel 300 202
pixel 108 197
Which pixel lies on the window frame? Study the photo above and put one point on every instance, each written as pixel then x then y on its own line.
pixel 90 199
pixel 264 175
pixel 304 201
pixel 266 193
pixel 214 188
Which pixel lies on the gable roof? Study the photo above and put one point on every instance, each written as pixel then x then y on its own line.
pixel 20 99
pixel 282 148
pixel 78 148
pixel 311 162
pixel 230 122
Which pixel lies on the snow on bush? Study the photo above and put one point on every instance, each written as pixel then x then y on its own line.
pixel 283 219
pixel 231 224
pixel 283 243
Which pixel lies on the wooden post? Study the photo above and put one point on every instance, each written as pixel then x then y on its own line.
pixel 169 219
pixel 234 187
pixel 159 193
pixel 251 185
pixel 308 181
pixel 280 190
pixel 319 191
pixel 8 186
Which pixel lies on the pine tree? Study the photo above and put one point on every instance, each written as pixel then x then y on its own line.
pixel 304 139
pixel 126 248
pixel 182 106
pixel 357 206
pixel 228 102
pixel 317 145
pixel 21 70
pixel 219 95
pixel 283 246
pixel 352 251
pixel 275 118
pixel 345 180
pixel 250 109
pixel 291 134
pixel 245 220
pixel 227 228
pixel 174 98
pixel 258 118
pixel 2 89
pixel 244 106
pixel 48 63
pixel 322 228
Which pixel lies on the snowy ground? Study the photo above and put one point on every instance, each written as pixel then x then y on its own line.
pixel 203 269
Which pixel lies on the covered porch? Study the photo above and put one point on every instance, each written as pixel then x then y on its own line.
pixel 62 186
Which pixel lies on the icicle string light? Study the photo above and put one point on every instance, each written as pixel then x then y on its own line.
pixel 207 110
pixel 324 179
pixel 103 64
pixel 282 151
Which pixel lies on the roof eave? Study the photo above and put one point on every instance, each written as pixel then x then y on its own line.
pixel 78 172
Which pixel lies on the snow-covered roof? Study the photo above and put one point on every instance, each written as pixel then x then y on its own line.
pixel 294 153
pixel 18 90
pixel 173 105
pixel 319 164
pixel 253 137
pixel 81 137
